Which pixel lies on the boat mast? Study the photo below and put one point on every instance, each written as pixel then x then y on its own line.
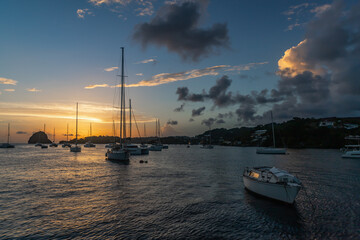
pixel 114 134
pixel 272 125
pixel 90 130
pixel 67 133
pixel 144 130
pixel 8 140
pixel 76 123
pixel 54 134
pixel 130 120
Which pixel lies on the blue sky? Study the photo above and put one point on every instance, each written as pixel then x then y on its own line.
pixel 54 49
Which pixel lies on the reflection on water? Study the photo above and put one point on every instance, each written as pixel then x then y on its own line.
pixel 180 193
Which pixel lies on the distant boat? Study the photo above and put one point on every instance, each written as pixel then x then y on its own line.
pixel 38 144
pixel 118 152
pixel 76 148
pixel 53 144
pixel 271 150
pixel 67 144
pixel 89 144
pixel 272 183
pixel 208 146
pixel 44 146
pixel 157 146
pixel 351 154
pixel 7 145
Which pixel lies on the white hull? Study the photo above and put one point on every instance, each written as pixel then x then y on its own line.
pixel 118 155
pixel 280 192
pixel 351 154
pixel 271 151
pixel 75 149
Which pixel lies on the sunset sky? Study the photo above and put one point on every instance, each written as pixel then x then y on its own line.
pixel 192 64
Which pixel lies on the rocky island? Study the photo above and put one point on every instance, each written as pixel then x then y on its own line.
pixel 39 137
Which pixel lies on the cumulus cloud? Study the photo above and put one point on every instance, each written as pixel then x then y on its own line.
pixel 197 112
pixel 208 122
pixel 33 90
pixel 176 27
pixel 81 13
pixel 7 81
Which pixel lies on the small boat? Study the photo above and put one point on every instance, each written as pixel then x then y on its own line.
pixel 7 145
pixel 271 150
pixel 272 183
pixel 38 144
pixel 76 148
pixel 44 146
pixel 118 152
pixel 165 147
pixel 155 147
pixel 351 154
pixel 53 144
pixel 89 145
pixel 133 149
pixel 67 144
pixel 109 145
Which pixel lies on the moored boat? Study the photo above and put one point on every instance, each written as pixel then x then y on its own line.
pixel 351 154
pixel 7 145
pixel 76 148
pixel 272 183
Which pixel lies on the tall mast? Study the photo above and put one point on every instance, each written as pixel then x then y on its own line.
pixel 144 130
pixel 156 130
pixel 8 133
pixel 54 134
pixel 130 118
pixel 76 123
pixel 67 133
pixel 90 130
pixel 114 134
pixel 272 124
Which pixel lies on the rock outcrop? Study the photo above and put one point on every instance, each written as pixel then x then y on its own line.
pixel 39 137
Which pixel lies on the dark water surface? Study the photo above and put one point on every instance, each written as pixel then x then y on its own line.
pixel 180 193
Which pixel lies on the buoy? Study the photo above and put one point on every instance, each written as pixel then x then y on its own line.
pixel 145 161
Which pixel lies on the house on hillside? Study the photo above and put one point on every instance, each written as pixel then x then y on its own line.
pixel 328 124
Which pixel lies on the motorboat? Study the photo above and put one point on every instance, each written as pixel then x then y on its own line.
pixel 271 150
pixel 272 183
pixel 351 154
pixel 7 145
pixel 76 148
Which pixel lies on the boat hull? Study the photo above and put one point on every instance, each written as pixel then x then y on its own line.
pixel 155 148
pixel 122 156
pixel 75 149
pixel 7 145
pixel 144 151
pixel 271 151
pixel 280 192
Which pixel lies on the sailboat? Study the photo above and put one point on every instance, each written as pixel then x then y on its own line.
pixel 132 148
pixel 76 148
pixel 157 146
pixel 67 144
pixel 89 144
pixel 7 145
pixel 53 144
pixel 118 152
pixel 110 145
pixel 271 150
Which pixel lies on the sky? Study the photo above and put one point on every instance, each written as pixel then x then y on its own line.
pixel 192 64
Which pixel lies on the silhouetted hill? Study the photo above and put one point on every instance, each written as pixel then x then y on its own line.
pixel 39 137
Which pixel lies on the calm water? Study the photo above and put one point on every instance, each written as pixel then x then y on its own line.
pixel 180 193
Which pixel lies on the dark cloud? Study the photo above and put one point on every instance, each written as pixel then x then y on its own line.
pixel 172 122
pixel 180 109
pixel 225 115
pixel 197 112
pixel 176 27
pixel 21 132
pixel 220 121
pixel 183 92
pixel 208 122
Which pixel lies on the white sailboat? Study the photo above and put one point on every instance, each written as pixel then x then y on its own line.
pixel 271 150
pixel 76 148
pixel 272 183
pixel 7 145
pixel 118 152
pixel 53 144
